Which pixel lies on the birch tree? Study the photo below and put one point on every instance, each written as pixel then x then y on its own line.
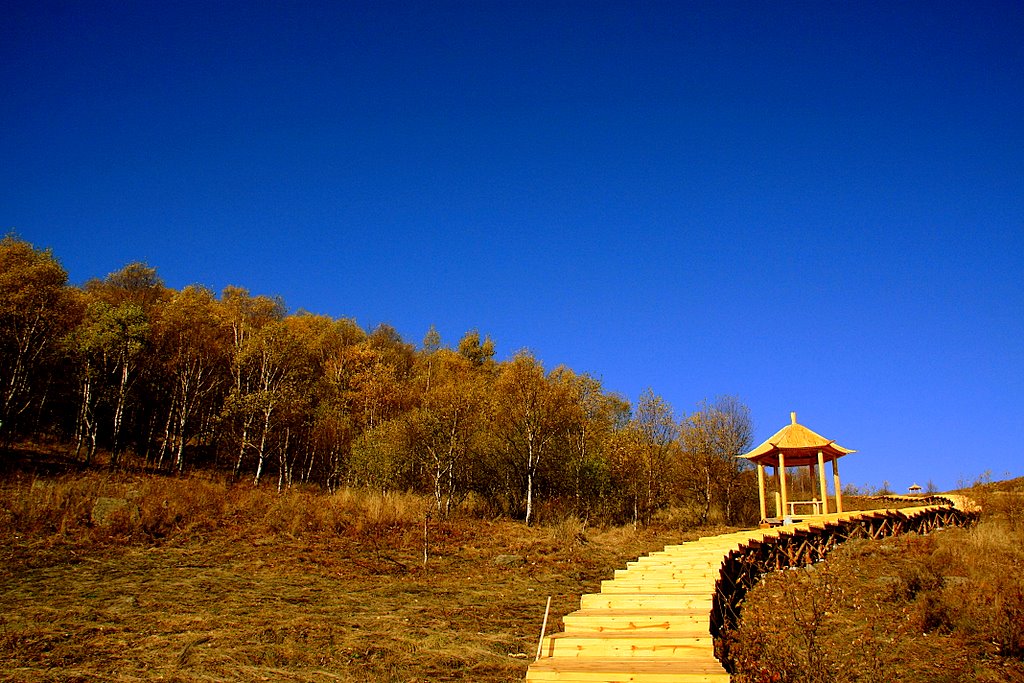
pixel 36 311
pixel 245 317
pixel 193 344
pixel 528 415
pixel 711 438
pixel 590 416
pixel 110 343
pixel 275 361
pixel 445 424
pixel 115 335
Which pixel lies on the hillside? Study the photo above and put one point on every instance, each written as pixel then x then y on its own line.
pixel 121 577
pixel 138 577
pixel 944 607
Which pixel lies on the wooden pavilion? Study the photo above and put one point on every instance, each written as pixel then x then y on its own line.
pixel 796 446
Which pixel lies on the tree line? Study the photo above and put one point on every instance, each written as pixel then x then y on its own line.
pixel 187 379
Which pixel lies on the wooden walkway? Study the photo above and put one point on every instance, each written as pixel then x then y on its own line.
pixel 658 620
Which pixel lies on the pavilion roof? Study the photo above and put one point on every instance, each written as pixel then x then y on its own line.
pixel 798 444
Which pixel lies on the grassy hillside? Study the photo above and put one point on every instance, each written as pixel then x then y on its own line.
pixel 120 577
pixel 944 607
pixel 117 577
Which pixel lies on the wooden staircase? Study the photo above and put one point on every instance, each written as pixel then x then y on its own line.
pixel 648 624
pixel 651 623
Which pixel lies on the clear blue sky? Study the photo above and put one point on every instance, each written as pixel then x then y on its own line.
pixel 816 206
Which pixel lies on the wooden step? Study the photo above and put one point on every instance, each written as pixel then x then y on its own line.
pixel 689 555
pixel 694 584
pixel 645 601
pixel 668 568
pixel 677 561
pixel 627 671
pixel 667 572
pixel 635 621
pixel 694 644
pixel 691 550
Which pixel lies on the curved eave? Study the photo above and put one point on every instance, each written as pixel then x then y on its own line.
pixel 796 456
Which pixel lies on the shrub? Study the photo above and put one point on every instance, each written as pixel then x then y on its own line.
pixel 951 603
pixel 151 507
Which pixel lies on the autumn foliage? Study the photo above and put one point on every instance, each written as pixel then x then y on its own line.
pixel 128 373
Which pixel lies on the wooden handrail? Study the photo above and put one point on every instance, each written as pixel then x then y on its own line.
pixel 654 619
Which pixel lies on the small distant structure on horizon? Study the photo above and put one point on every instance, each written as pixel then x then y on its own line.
pixel 914 489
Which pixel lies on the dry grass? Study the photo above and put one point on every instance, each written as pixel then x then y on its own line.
pixel 200 580
pixel 944 607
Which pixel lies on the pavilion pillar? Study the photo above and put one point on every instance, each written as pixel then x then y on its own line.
pixel 778 494
pixel 838 486
pixel 821 481
pixel 782 484
pixel 760 490
pixel 813 479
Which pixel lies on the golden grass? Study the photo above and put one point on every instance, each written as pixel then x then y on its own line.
pixel 202 580
pixel 155 507
pixel 944 607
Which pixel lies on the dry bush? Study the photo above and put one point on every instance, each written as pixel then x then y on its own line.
pixel 361 511
pixel 150 508
pixel 60 506
pixel 147 507
pixel 948 606
pixel 987 604
pixel 169 506
pixel 785 628
pixel 569 532
pixel 476 506
pixel 1006 506
pixel 683 515
pixel 32 509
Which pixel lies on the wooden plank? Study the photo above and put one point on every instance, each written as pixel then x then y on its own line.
pixel 687 645
pixel 666 600
pixel 610 587
pixel 669 565
pixel 667 572
pixel 626 671
pixel 634 620
pixel 667 577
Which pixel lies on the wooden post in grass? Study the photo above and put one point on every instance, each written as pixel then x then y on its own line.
pixel 543 628
pixel 426 538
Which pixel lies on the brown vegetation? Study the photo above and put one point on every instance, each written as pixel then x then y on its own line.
pixel 134 374
pixel 395 472
pixel 115 577
pixel 944 607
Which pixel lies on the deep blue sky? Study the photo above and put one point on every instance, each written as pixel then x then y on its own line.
pixel 816 206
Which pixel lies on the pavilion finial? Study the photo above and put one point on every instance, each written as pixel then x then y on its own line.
pixel 792 417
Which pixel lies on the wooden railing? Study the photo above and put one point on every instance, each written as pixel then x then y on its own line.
pixel 663 618
pixel 809 542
